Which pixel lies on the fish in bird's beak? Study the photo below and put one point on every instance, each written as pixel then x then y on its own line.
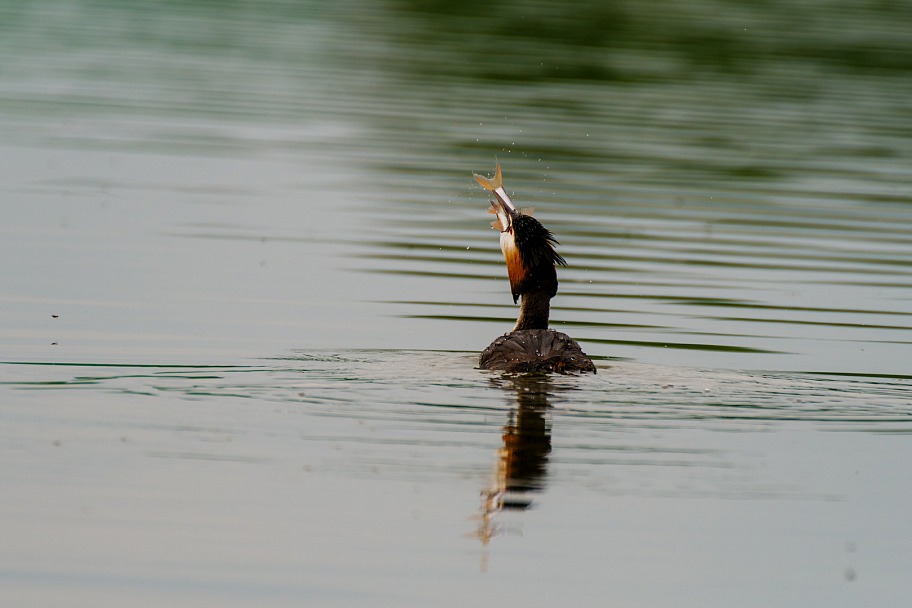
pixel 507 215
pixel 527 246
pixel 504 208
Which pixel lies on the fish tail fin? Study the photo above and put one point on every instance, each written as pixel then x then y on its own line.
pixel 490 184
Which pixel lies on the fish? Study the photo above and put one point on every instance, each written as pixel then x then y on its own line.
pixel 506 209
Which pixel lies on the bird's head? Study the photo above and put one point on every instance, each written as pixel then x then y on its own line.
pixel 528 247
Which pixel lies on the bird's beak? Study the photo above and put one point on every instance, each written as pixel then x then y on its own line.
pixel 502 222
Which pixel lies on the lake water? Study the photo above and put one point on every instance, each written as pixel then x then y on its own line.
pixel 246 276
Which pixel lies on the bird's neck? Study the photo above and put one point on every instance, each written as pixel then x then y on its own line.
pixel 534 311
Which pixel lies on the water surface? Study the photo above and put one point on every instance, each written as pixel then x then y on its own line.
pixel 246 274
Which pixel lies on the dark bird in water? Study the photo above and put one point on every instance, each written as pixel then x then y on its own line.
pixel 528 249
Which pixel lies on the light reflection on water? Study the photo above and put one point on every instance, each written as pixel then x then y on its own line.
pixel 247 273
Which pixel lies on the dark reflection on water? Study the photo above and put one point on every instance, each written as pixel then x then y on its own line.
pixel 690 159
pixel 723 35
pixel 522 461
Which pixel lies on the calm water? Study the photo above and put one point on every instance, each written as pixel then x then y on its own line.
pixel 246 274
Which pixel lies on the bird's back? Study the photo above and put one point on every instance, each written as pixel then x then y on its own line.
pixel 535 350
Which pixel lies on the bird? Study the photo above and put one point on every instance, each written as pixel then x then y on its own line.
pixel 528 250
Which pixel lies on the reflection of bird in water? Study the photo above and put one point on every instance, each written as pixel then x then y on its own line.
pixel 528 249
pixel 522 461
